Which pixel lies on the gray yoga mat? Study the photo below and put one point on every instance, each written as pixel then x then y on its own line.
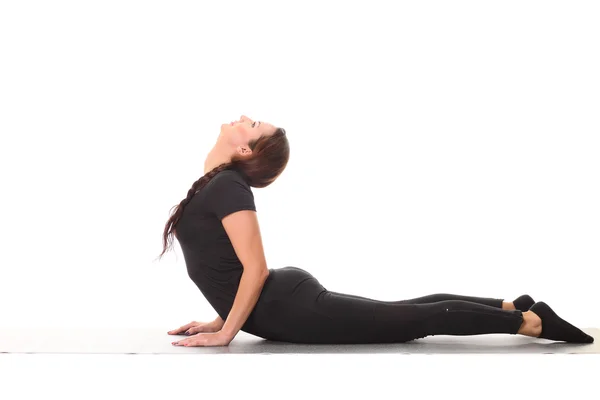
pixel 157 341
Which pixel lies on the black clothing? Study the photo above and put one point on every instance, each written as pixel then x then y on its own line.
pixel 294 307
pixel 209 256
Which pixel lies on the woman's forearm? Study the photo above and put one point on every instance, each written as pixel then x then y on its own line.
pixel 218 322
pixel 247 296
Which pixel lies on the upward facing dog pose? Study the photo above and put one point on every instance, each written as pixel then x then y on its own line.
pixel 217 228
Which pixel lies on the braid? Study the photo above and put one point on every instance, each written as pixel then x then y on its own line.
pixel 170 230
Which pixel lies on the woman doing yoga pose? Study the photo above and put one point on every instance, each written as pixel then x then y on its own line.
pixel 217 228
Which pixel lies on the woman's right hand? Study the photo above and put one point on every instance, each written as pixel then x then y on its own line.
pixel 196 327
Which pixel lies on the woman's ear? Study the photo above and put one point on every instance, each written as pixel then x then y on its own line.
pixel 245 151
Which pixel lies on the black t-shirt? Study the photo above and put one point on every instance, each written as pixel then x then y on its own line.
pixel 211 261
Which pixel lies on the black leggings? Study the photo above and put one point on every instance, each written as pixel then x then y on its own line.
pixel 295 307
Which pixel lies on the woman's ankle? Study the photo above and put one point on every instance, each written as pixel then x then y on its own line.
pixel 531 326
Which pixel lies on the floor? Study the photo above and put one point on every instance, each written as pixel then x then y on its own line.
pixel 155 341
pixel 298 376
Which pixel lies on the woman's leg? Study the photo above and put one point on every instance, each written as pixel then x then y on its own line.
pixel 523 302
pixel 297 308
pixel 356 319
pixel 434 298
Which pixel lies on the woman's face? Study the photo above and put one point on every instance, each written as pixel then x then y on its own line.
pixel 239 133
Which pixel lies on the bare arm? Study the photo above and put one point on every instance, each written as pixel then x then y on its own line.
pixel 244 234
pixel 247 295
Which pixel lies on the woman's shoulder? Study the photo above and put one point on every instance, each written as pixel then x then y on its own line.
pixel 227 178
pixel 231 175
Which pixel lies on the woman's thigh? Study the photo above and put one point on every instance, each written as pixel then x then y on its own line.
pixel 295 307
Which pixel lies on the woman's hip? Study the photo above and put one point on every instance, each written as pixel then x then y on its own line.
pixel 291 284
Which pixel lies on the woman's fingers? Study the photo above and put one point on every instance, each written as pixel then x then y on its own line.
pixel 195 329
pixel 182 328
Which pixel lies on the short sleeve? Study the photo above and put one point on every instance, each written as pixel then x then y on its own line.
pixel 230 193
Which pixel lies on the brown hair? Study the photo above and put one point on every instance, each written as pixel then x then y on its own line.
pixel 270 155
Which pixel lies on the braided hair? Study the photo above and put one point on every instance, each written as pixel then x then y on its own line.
pixel 270 155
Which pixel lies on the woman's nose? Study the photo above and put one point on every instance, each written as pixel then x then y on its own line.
pixel 243 118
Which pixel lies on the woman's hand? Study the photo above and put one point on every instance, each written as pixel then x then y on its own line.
pixel 197 327
pixel 205 339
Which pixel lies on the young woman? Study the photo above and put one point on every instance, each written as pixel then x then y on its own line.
pixel 217 228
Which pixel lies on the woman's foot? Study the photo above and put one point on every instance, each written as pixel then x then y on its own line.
pixel 553 327
pixel 522 303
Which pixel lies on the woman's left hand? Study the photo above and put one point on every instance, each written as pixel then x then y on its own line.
pixel 218 338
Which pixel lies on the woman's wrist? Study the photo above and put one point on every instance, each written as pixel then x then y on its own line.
pixel 219 322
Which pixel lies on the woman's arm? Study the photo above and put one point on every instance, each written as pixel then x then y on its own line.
pixel 247 295
pixel 244 234
pixel 218 322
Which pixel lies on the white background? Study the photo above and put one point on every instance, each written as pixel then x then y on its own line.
pixel 435 147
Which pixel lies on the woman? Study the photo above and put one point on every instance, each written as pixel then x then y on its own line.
pixel 217 228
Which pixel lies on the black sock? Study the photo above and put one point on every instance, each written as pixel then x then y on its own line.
pixel 556 328
pixel 523 302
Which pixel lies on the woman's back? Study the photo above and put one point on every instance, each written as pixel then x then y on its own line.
pixel 210 258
